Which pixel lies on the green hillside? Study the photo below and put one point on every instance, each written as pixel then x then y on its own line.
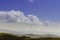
pixel 5 36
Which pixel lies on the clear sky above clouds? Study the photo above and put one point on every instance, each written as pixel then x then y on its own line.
pixel 44 9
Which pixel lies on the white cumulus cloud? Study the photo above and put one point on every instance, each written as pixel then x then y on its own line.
pixel 34 19
pixel 31 0
pixel 18 16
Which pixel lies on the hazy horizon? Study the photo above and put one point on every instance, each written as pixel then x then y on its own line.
pixel 26 28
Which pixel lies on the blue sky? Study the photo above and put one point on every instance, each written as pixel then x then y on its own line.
pixel 44 9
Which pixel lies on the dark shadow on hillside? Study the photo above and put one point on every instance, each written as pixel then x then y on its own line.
pixel 5 36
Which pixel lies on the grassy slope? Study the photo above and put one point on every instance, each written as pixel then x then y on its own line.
pixel 5 36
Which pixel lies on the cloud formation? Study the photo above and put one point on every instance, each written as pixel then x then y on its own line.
pixel 31 0
pixel 18 16
pixel 19 23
